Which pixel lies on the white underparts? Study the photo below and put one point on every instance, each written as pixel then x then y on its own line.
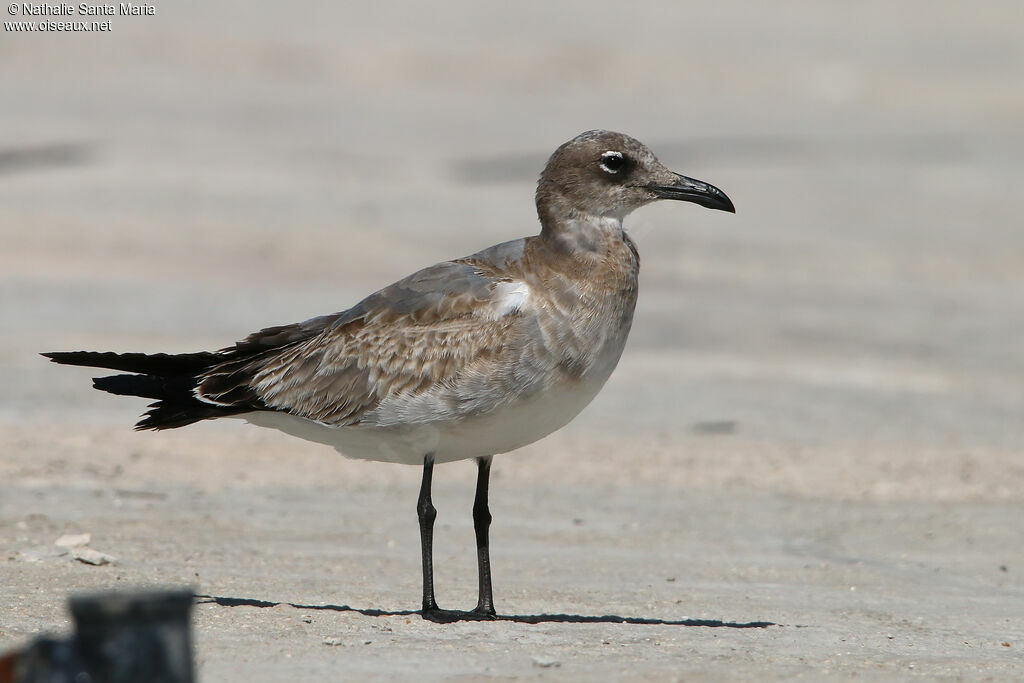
pixel 498 431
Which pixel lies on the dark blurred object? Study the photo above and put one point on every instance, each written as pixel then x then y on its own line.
pixel 119 638
pixel 54 155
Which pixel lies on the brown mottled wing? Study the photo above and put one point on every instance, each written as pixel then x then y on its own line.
pixel 407 337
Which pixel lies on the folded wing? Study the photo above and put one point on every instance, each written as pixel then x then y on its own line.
pixel 418 335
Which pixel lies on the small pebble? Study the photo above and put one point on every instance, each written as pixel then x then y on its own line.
pixel 93 557
pixel 71 540
pixel 545 662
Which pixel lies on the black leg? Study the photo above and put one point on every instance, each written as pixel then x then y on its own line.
pixel 482 523
pixel 427 514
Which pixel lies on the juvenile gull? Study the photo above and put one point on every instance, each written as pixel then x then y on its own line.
pixel 465 359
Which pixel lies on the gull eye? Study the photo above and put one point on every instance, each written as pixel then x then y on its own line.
pixel 612 162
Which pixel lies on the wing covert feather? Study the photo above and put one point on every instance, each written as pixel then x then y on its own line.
pixel 416 334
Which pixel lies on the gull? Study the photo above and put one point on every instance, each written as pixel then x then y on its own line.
pixel 467 358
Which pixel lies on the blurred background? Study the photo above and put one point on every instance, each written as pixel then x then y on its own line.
pixel 853 333
pixel 191 176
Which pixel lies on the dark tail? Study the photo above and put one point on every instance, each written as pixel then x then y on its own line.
pixel 169 379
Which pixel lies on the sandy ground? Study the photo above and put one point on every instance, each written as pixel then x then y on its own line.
pixel 810 462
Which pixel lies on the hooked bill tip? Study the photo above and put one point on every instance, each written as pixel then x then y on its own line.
pixel 696 191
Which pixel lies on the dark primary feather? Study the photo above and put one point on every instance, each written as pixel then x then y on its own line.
pixel 145 386
pixel 161 364
pixel 176 406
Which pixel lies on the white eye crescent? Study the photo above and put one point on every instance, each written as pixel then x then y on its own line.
pixel 612 162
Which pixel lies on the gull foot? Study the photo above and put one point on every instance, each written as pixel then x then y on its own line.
pixel 450 616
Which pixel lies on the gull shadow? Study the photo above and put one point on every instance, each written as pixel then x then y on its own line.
pixel 469 616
